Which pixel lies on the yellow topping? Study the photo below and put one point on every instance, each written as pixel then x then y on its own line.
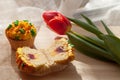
pixel 21 30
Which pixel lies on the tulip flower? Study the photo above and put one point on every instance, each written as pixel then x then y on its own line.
pixel 57 22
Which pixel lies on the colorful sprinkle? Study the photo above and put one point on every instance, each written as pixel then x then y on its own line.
pixel 31 56
pixel 16 23
pixel 9 26
pixel 32 32
pixel 22 30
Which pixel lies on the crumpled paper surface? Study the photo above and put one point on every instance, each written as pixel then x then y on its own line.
pixel 83 67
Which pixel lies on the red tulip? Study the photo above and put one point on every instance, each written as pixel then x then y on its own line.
pixel 57 22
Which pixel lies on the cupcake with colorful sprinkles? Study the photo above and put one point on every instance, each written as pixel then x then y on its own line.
pixel 21 33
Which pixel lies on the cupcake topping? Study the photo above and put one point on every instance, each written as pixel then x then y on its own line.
pixel 30 24
pixel 16 23
pixel 25 20
pixel 31 56
pixel 59 49
pixel 21 30
pixel 32 32
pixel 9 26
pixel 17 37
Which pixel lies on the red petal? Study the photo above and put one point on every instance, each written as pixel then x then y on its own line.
pixel 58 26
pixel 65 19
pixel 48 15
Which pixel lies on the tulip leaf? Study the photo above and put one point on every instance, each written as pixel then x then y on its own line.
pixel 107 29
pixel 81 43
pixel 113 44
pixel 89 21
pixel 93 40
pixel 96 41
pixel 86 26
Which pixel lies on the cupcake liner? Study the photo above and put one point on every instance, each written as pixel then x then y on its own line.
pixel 42 71
pixel 21 43
pixel 47 70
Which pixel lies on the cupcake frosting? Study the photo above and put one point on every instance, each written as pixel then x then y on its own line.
pixel 21 30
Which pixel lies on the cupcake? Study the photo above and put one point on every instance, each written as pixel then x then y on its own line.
pixel 21 33
pixel 43 62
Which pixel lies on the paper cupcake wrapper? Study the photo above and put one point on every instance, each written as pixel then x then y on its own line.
pixel 45 70
pixel 48 70
pixel 42 71
pixel 21 43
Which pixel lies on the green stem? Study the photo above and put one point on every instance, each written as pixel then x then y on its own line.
pixel 80 43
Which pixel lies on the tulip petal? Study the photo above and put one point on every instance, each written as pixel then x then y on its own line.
pixel 48 15
pixel 66 21
pixel 58 26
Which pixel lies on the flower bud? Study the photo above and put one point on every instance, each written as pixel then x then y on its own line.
pixel 57 22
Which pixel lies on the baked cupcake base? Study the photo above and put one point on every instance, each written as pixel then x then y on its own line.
pixel 52 69
pixel 21 43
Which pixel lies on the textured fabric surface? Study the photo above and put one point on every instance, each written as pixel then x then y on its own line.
pixel 83 67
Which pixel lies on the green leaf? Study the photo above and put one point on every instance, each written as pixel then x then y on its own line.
pixel 96 41
pixel 89 21
pixel 80 43
pixel 106 28
pixel 92 54
pixel 86 26
pixel 113 44
pixel 93 40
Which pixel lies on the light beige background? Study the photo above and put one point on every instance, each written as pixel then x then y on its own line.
pixel 82 68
